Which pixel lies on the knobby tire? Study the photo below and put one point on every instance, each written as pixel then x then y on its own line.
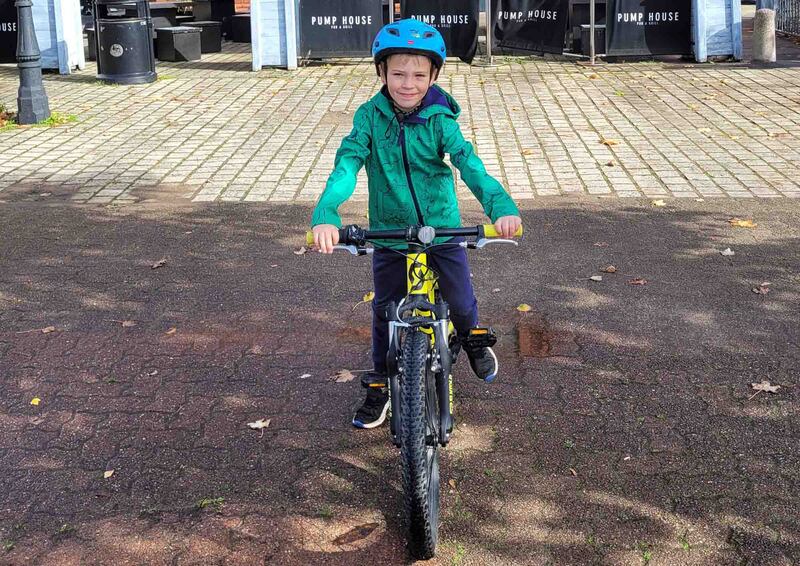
pixel 419 451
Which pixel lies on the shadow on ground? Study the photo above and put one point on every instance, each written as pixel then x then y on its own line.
pixel 623 431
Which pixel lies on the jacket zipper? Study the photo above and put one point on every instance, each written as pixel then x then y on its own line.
pixel 408 174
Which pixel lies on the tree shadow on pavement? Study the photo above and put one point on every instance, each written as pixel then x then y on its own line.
pixel 624 428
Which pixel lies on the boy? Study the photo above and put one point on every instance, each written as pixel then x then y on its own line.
pixel 401 135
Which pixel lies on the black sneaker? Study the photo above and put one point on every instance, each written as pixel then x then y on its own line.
pixel 483 362
pixel 373 412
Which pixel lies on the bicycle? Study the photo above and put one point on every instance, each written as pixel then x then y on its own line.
pixel 423 347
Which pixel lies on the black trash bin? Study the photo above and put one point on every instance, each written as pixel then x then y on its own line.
pixel 124 36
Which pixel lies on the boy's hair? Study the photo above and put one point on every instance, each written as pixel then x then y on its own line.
pixel 382 66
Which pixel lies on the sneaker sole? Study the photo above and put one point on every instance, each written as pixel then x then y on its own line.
pixel 377 422
pixel 492 377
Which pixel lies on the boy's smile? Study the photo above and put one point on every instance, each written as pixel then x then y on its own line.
pixel 408 78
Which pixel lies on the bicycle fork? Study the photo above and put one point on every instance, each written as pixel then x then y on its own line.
pixel 439 363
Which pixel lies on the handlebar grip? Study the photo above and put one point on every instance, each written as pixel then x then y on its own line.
pixel 310 236
pixel 491 232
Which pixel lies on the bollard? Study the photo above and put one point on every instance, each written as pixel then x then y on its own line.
pixel 764 36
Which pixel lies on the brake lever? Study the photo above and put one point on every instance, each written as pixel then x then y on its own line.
pixel 353 249
pixel 483 242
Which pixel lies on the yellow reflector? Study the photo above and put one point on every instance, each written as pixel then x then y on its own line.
pixel 479 331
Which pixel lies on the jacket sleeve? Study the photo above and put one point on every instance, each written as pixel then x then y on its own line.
pixel 349 160
pixel 490 193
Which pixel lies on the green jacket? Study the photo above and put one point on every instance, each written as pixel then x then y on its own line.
pixel 409 182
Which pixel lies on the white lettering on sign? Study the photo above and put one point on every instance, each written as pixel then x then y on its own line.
pixel 426 18
pixel 451 19
pixel 336 22
pixel 8 26
pixel 663 16
pixel 529 16
pixel 630 16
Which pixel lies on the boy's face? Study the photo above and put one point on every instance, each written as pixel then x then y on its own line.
pixel 408 78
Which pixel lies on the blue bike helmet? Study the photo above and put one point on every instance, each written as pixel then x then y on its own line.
pixel 409 36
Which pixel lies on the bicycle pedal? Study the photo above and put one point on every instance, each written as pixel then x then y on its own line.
pixel 371 381
pixel 480 337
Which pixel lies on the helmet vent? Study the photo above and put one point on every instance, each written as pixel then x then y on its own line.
pixel 428 34
pixel 394 31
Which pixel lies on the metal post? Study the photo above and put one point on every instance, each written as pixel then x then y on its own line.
pixel 592 51
pixel 391 11
pixel 32 104
pixel 489 30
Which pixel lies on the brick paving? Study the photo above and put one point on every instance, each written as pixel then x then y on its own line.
pixel 213 130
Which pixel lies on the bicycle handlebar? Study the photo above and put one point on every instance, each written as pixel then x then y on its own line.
pixel 355 235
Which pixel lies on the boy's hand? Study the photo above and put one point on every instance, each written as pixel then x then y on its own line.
pixel 325 237
pixel 507 226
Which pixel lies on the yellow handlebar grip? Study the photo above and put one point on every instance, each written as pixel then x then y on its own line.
pixel 490 232
pixel 309 238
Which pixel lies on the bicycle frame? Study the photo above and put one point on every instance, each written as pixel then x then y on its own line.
pixel 430 314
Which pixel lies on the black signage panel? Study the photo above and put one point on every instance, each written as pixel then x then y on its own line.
pixel 339 28
pixel 8 32
pixel 456 20
pixel 529 25
pixel 648 27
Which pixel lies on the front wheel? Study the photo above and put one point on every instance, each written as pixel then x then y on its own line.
pixel 419 449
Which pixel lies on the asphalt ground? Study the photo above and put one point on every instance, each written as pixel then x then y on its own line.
pixel 623 430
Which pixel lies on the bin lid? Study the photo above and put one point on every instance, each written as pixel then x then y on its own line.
pixel 180 29
pixel 123 3
pixel 204 23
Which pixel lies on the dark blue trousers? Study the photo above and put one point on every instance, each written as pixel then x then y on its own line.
pixel 389 275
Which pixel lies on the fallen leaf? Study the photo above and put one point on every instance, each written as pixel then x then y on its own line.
pixel 692 106
pixel 699 200
pixel 594 76
pixel 274 265
pixel 727 252
pixel 256 350
pixel 659 202
pixel 762 289
pixel 259 424
pixel 496 290
pixel 619 93
pixel 524 307
pixel 160 263
pixel 107 474
pixel 610 163
pixel 300 251
pixel 527 152
pixel 304 376
pixel 171 331
pixel 765 386
pixel 48 330
pixel 343 376
pixel 128 323
pixel 638 281
pixel 365 299
pixel 740 223
pixel 596 278
pixel 35 401
pixel 608 141
pixel 452 483
pixel 600 244
pixel 573 472
pixel 704 130
pixel 609 269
